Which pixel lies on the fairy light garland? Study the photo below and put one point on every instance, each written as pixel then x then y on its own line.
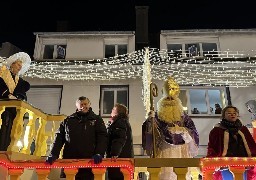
pixel 209 164
pixel 218 68
pixel 206 164
pixel 39 165
pixel 146 82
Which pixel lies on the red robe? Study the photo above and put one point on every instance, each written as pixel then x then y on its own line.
pixel 216 142
pixel 218 138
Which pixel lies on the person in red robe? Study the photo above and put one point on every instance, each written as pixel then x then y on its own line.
pixel 230 138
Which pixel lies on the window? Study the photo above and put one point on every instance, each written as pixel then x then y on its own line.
pixel 54 52
pixel 111 95
pixel 175 49
pixel 210 49
pixel 202 101
pixel 193 49
pixel 112 50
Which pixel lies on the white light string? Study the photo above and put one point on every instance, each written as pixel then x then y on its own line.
pixel 219 68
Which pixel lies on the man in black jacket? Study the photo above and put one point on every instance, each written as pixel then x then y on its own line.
pixel 84 135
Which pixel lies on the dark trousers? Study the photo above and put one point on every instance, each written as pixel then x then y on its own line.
pixel 82 174
pixel 7 121
pixel 115 174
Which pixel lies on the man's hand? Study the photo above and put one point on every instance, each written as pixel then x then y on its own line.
pixel 50 160
pixel 97 158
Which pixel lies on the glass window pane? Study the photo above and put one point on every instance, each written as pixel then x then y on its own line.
pixel 183 98
pixel 48 52
pixel 109 51
pixel 122 49
pixel 122 97
pixel 215 101
pixel 197 101
pixel 210 49
pixel 108 101
pixel 174 50
pixel 111 94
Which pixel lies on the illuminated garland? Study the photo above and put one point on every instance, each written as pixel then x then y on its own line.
pixel 222 68
pixel 209 165
pixel 30 164
pixel 146 82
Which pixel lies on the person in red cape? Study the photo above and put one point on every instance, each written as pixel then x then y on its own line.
pixel 230 138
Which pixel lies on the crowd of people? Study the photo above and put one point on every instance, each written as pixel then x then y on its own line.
pixel 84 134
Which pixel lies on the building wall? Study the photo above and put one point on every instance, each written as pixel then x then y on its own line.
pixel 85 46
pixel 92 47
pixel 244 40
pixel 73 89
pixel 238 43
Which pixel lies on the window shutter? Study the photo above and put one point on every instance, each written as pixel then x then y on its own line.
pixel 48 99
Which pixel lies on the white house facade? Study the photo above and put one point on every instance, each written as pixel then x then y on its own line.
pixel 57 94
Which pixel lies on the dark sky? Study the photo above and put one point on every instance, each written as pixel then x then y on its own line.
pixel 19 19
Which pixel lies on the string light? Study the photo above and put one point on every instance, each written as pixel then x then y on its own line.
pixel 27 164
pixel 216 68
pixel 146 82
pixel 208 164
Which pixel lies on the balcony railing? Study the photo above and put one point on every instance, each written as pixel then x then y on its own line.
pixel 14 164
pixel 29 133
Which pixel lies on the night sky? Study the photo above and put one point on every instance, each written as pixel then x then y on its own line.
pixel 20 19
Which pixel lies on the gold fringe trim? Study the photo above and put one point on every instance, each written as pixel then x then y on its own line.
pixel 7 77
pixel 245 144
pixel 225 143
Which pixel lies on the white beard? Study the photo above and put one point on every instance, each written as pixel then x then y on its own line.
pixel 169 109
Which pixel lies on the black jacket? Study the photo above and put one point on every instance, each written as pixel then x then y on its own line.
pixel 120 140
pixel 84 135
pixel 20 90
